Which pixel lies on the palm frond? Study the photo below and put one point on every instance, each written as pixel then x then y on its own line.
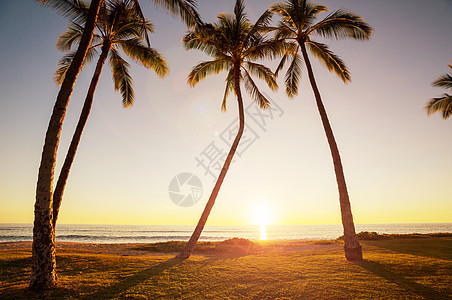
pixel 200 41
pixel 226 21
pixel 118 14
pixel 283 31
pixel 121 78
pixel 442 104
pixel 141 16
pixel 66 61
pixel 72 35
pixel 263 73
pixel 329 59
pixel 239 11
pixel 293 75
pixel 310 13
pixel 74 10
pixel 444 81
pixel 260 25
pixel 229 88
pixel 292 48
pixel 267 49
pixel 254 92
pixel 282 62
pixel 185 9
pixel 284 10
pixel 200 71
pixel 148 57
pixel 342 24
pixel 132 28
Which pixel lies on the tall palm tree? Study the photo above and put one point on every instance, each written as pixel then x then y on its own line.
pixel 43 266
pixel 297 27
pixel 444 103
pixel 119 27
pixel 234 43
pixel 43 274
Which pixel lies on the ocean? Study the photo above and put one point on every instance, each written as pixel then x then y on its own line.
pixel 162 233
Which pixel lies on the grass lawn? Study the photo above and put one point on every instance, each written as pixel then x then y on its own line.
pixel 410 268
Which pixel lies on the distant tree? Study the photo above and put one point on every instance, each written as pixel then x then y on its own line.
pixel 297 28
pixel 119 27
pixel 234 43
pixel 442 104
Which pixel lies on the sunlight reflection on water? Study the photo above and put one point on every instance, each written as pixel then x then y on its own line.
pixel 263 232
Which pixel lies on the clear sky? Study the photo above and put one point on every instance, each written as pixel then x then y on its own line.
pixel 397 160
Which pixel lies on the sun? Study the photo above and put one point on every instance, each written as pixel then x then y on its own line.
pixel 261 214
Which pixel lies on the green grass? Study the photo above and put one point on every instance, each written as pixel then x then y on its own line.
pixel 393 269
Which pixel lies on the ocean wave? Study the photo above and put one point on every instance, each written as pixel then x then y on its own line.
pixel 14 238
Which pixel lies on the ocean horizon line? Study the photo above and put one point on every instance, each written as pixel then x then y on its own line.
pixel 111 233
pixel 256 225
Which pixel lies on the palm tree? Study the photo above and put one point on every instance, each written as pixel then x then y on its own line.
pixel 297 28
pixel 43 274
pixel 234 43
pixel 444 103
pixel 119 27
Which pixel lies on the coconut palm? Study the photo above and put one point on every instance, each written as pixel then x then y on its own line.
pixel 442 104
pixel 43 273
pixel 297 27
pixel 234 43
pixel 119 27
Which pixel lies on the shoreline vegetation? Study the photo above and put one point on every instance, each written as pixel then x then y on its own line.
pixel 395 266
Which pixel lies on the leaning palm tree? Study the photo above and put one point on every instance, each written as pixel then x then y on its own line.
pixel 297 28
pixel 119 27
pixel 43 274
pixel 234 43
pixel 43 266
pixel 442 104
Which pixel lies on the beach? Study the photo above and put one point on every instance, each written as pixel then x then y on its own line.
pixel 396 268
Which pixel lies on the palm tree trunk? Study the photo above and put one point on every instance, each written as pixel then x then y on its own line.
pixel 352 247
pixel 64 174
pixel 188 249
pixel 43 266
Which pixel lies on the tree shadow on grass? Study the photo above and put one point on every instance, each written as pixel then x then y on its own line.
pixel 438 248
pixel 15 263
pixel 117 288
pixel 405 283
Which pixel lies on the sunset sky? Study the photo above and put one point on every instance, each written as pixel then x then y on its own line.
pixel 397 160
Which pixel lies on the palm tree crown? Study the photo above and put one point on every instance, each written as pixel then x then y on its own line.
pixel 235 43
pixel 298 26
pixel 444 103
pixel 119 26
